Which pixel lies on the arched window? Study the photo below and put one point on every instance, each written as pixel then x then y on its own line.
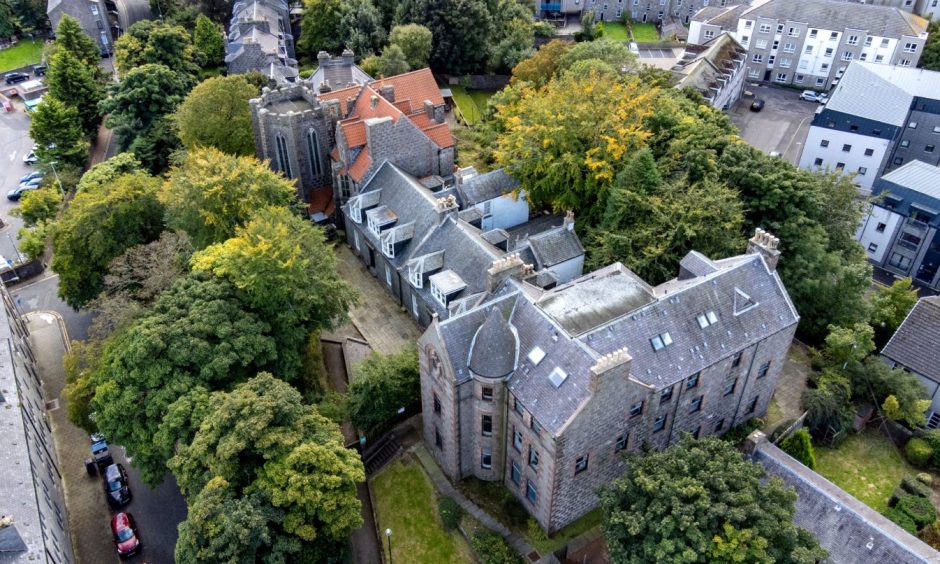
pixel 283 160
pixel 313 148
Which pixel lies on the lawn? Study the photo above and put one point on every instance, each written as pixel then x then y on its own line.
pixel 472 103
pixel 26 52
pixel 644 32
pixel 616 31
pixel 406 504
pixel 866 465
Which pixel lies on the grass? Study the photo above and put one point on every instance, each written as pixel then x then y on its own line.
pixel 616 31
pixel 26 52
pixel 472 103
pixel 493 498
pixel 866 465
pixel 644 32
pixel 406 504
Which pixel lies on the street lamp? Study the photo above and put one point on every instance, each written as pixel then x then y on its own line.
pixel 388 535
pixel 56 174
pixel 19 257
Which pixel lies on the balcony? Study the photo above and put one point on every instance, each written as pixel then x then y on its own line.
pixel 917 225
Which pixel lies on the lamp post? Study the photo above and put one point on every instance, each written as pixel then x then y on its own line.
pixel 19 257
pixel 56 174
pixel 388 535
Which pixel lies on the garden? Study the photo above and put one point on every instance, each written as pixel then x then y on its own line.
pixel 471 103
pixel 644 32
pixel 24 53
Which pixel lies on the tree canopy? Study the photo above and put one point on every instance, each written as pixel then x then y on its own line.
pixel 72 82
pixel 57 130
pixel 210 194
pixel 461 31
pixel 143 96
pixel 208 43
pixel 890 305
pixel 99 225
pixel 150 42
pixel 415 42
pixel 319 29
pixel 69 36
pixel 930 58
pixel 701 498
pixel 381 385
pixel 216 114
pixel 104 173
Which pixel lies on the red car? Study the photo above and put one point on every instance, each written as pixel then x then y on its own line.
pixel 125 534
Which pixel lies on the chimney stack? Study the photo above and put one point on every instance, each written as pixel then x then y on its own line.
pixel 569 220
pixel 615 363
pixel 764 244
pixel 349 58
pixel 323 57
pixel 325 87
pixel 387 91
pixel 504 268
pixel 429 109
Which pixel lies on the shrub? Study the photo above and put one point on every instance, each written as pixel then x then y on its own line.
pixel 918 452
pixel 901 519
pixel 450 512
pixel 933 439
pixel 534 531
pixel 897 494
pixel 914 487
pixel 799 445
pixel 781 427
pixel 737 434
pixel 919 509
pixel 931 535
pixel 925 478
pixel 491 548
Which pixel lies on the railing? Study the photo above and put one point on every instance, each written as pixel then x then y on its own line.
pixel 551 7
pixel 921 225
pixel 908 245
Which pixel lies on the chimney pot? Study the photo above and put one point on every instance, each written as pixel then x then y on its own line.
pixel 765 244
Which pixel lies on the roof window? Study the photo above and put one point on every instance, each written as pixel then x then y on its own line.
pixel 536 355
pixel 661 341
pixel 706 319
pixel 558 377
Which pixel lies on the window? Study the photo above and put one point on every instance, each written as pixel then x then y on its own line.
pixel 737 360
pixel 904 62
pixel 876 131
pixel 884 42
pixel 706 319
pixel 533 457
pixel 880 228
pixel 747 24
pixel 517 440
pixel 798 79
pixel 762 371
pixel 828 52
pixel 818 162
pixel 761 44
pixel 936 129
pixel 661 341
pixel 696 405
pixel 824 66
pixel 621 443
pixel 868 41
pixel 764 28
pixel 853 128
pixel 929 148
pixel 824 143
pixel 813 33
pixel 709 33
pixel 581 464
pixel 847 56
pixel 808 50
pixel 313 150
pixel 900 261
pixel 753 405
pixel 912 125
pixel 753 73
pixel 660 423
pixel 779 28
pixel 905 143
pixel 665 395
pixel 486 458
pixel 846 148
pixel 487 425
pixel 517 407
pixel 879 58
pixel 785 63
pixel 757 58
pixel 720 425
pixel 437 405
pixel 862 171
pixel 531 493
pixel 793 32
pixel 438 442
pixel 840 166
pixel 283 159
pixel 692 382
pixel 869 152
pixel 852 40
pixel 534 425
pixel 781 76
pixel 745 39
pixel 636 409
pixel 730 385
pixel 910 47
pixel 789 47
pixel 94 8
pixel 820 81
pixel 516 473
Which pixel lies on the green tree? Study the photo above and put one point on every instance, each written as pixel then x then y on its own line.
pixel 415 42
pixel 155 145
pixel 541 66
pixel 40 205
pixel 33 239
pixel 74 84
pixel 889 306
pixel 930 58
pixel 210 194
pixel 613 53
pixel 216 114
pixel 361 28
pixel 799 445
pixel 99 225
pixel 261 437
pixel 511 35
pixel 69 36
pixel 321 27
pixel 57 131
pixel 104 173
pixel 875 380
pixel 461 31
pixel 739 545
pixel 150 42
pixel 827 404
pixel 382 384
pixel 391 62
pixel 846 345
pixel 144 95
pixel 668 506
pixel 286 272
pixel 208 43
pixel 197 335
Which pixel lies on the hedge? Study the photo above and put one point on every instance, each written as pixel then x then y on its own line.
pixel 915 487
pixel 450 512
pixel 918 452
pixel 799 445
pixel 491 548
pixel 901 519
pixel 919 509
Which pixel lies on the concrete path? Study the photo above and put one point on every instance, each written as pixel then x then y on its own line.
pixel 444 486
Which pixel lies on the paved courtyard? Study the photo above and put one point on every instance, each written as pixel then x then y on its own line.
pixel 781 126
pixel 787 403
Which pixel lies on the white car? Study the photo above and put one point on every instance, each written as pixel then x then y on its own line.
pixel 30 158
pixel 813 96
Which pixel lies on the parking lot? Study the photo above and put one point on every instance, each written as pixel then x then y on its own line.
pixel 781 126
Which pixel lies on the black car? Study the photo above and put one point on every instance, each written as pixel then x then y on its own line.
pixel 115 486
pixel 15 77
pixel 40 70
pixel 757 105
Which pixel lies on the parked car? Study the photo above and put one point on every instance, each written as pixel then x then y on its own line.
pixel 126 537
pixel 30 176
pixel 40 70
pixel 813 96
pixel 115 485
pixel 17 193
pixel 15 77
pixel 30 158
pixel 757 105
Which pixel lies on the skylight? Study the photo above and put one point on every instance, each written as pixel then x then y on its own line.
pixel 706 319
pixel 557 377
pixel 536 355
pixel 661 341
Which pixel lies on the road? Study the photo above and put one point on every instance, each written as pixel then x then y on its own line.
pixel 781 126
pixel 157 511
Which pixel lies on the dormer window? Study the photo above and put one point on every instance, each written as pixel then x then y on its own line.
pixel 416 277
pixel 706 319
pixel 445 284
pixel 661 341
pixel 355 210
pixel 380 218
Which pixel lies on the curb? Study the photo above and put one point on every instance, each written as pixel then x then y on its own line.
pixel 59 320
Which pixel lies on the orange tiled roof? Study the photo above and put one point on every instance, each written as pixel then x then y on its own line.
pixel 359 168
pixel 416 86
pixel 354 132
pixel 334 154
pixel 341 95
pixel 440 134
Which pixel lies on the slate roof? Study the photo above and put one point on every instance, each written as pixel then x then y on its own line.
pixel 494 351
pixel 482 187
pixel 726 18
pixel 882 21
pixel 916 343
pixel 851 531
pixel 555 246
pixel 708 67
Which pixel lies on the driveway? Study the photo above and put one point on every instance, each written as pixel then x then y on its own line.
pixel 781 126
pixel 14 143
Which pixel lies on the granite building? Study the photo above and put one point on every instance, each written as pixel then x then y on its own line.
pixel 33 518
pixel 102 20
pixel 544 389
pixel 260 39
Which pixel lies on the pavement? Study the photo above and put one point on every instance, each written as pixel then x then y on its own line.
pixel 790 386
pixel 782 125
pixel 14 143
